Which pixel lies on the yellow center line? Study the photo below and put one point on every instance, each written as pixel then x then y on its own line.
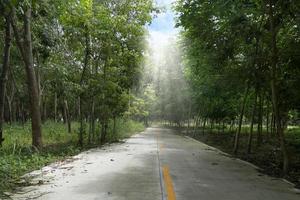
pixel 168 184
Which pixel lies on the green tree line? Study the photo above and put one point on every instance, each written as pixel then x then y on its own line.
pixel 70 60
pixel 242 63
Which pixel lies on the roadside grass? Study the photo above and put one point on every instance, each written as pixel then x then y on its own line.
pixel 17 157
pixel 124 128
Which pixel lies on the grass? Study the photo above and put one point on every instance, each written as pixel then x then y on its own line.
pixel 124 129
pixel 18 157
pixel 18 137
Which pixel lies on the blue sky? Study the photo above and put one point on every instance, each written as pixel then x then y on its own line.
pixel 161 32
pixel 162 28
pixel 164 23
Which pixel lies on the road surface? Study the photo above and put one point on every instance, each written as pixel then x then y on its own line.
pixel 157 164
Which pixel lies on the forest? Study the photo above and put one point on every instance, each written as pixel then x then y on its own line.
pixel 231 78
pixel 76 74
pixel 69 78
pixel 241 62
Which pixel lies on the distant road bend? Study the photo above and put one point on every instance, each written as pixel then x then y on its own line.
pixel 157 164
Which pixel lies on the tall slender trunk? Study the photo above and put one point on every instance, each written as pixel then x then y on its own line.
pixel 92 123
pixel 104 132
pixel 45 111
pixel 67 114
pixel 223 127
pixel 238 132
pixel 4 73
pixel 81 129
pixel 268 119
pixel 9 105
pixel 23 114
pixel 249 145
pixel 196 125
pixel 211 126
pixel 82 79
pixel 38 80
pixel 55 106
pixel 26 52
pixel 78 111
pixel 64 113
pixel 204 126
pixel 189 117
pixel 14 111
pixel 231 125
pixel 219 126
pixel 260 120
pixel 274 87
pixel 272 123
pixel 114 126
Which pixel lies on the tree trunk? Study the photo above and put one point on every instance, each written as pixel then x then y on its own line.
pixel 196 125
pixel 204 126
pixel 26 52
pixel 103 133
pixel 81 129
pixel 231 125
pixel 9 103
pixel 67 114
pixel 4 73
pixel 238 132
pixel 45 111
pixel 38 80
pixel 85 68
pixel 55 106
pixel 189 117
pixel 23 114
pixel 223 127
pixel 211 126
pixel 64 113
pixel 272 123
pixel 92 123
pixel 249 145
pixel 274 87
pixel 114 126
pixel 268 119
pixel 260 121
pixel 219 127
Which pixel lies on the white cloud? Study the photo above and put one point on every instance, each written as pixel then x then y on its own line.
pixel 164 21
pixel 158 38
pixel 161 33
pixel 164 2
pixel 158 42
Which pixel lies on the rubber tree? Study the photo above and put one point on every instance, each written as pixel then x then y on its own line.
pixel 270 4
pixel 4 71
pixel 25 49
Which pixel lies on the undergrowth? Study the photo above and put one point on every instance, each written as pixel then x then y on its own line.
pixel 18 157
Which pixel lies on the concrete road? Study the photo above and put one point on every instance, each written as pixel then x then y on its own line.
pixel 155 165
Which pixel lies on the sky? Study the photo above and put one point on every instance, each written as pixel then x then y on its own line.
pixel 162 29
pixel 164 23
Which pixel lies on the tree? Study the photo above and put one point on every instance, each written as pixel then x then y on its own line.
pixel 4 70
pixel 242 42
pixel 25 48
pixel 81 60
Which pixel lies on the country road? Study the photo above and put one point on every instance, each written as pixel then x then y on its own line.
pixel 156 164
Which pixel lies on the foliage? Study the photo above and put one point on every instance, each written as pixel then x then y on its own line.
pixel 18 158
pixel 86 57
pixel 240 61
